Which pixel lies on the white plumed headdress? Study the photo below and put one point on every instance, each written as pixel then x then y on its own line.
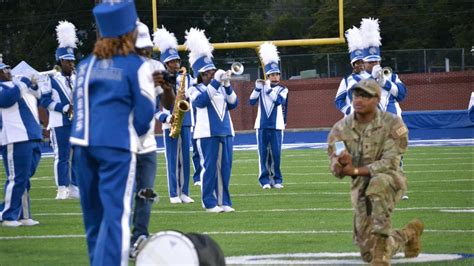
pixel 370 30
pixel 200 51
pixel 67 39
pixel 269 54
pixel 355 44
pixel 167 44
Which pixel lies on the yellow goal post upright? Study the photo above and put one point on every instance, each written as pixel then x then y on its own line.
pixel 279 43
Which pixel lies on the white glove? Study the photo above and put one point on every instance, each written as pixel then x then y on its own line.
pixel 226 79
pixel 35 78
pixel 259 84
pixel 65 108
pixel 219 75
pixel 44 84
pixel 158 90
pixel 267 83
pixel 381 81
pixel 376 70
pixel 22 86
pixel 268 88
pixel 168 119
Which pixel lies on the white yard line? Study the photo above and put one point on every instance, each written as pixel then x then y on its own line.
pixel 328 173
pixel 458 211
pixel 286 232
pixel 295 174
pixel 293 166
pixel 267 210
pixel 337 182
pixel 40 237
pixel 405 158
pixel 315 232
pixel 281 193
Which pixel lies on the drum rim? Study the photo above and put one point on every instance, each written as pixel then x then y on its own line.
pixel 176 234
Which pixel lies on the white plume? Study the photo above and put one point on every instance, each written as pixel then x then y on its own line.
pixel 354 39
pixel 197 44
pixel 268 53
pixel 370 30
pixel 66 34
pixel 164 40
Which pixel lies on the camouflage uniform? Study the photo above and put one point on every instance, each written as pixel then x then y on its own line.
pixel 379 147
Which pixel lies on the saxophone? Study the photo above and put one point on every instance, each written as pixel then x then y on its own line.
pixel 181 106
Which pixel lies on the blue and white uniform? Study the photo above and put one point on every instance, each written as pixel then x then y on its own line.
pixel 269 125
pixel 343 98
pixel 214 134
pixel 393 92
pixel 355 43
pixel 113 104
pixel 57 100
pixel 20 136
pixel 195 154
pixel 177 149
pixel 393 89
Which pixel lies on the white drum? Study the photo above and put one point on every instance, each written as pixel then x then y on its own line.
pixel 168 248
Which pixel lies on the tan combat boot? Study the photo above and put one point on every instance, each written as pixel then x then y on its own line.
pixel 413 231
pixel 380 254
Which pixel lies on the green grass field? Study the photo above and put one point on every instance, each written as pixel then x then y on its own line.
pixel 311 214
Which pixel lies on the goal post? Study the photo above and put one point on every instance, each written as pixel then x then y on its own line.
pixel 279 43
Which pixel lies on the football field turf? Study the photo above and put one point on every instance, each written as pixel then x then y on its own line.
pixel 311 214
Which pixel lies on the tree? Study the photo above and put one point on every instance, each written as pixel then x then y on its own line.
pixel 27 27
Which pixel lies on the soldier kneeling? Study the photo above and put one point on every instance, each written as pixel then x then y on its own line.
pixel 368 145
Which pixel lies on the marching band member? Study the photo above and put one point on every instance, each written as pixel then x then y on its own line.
pixel 343 100
pixel 393 89
pixel 177 149
pixel 146 155
pixel 114 103
pixel 21 137
pixel 213 97
pixel 58 100
pixel 271 118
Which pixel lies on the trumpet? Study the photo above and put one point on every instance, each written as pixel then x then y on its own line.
pixel 236 69
pixel 386 73
pixel 44 76
pixel 51 72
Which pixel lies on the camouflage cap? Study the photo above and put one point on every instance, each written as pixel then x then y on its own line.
pixel 370 86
